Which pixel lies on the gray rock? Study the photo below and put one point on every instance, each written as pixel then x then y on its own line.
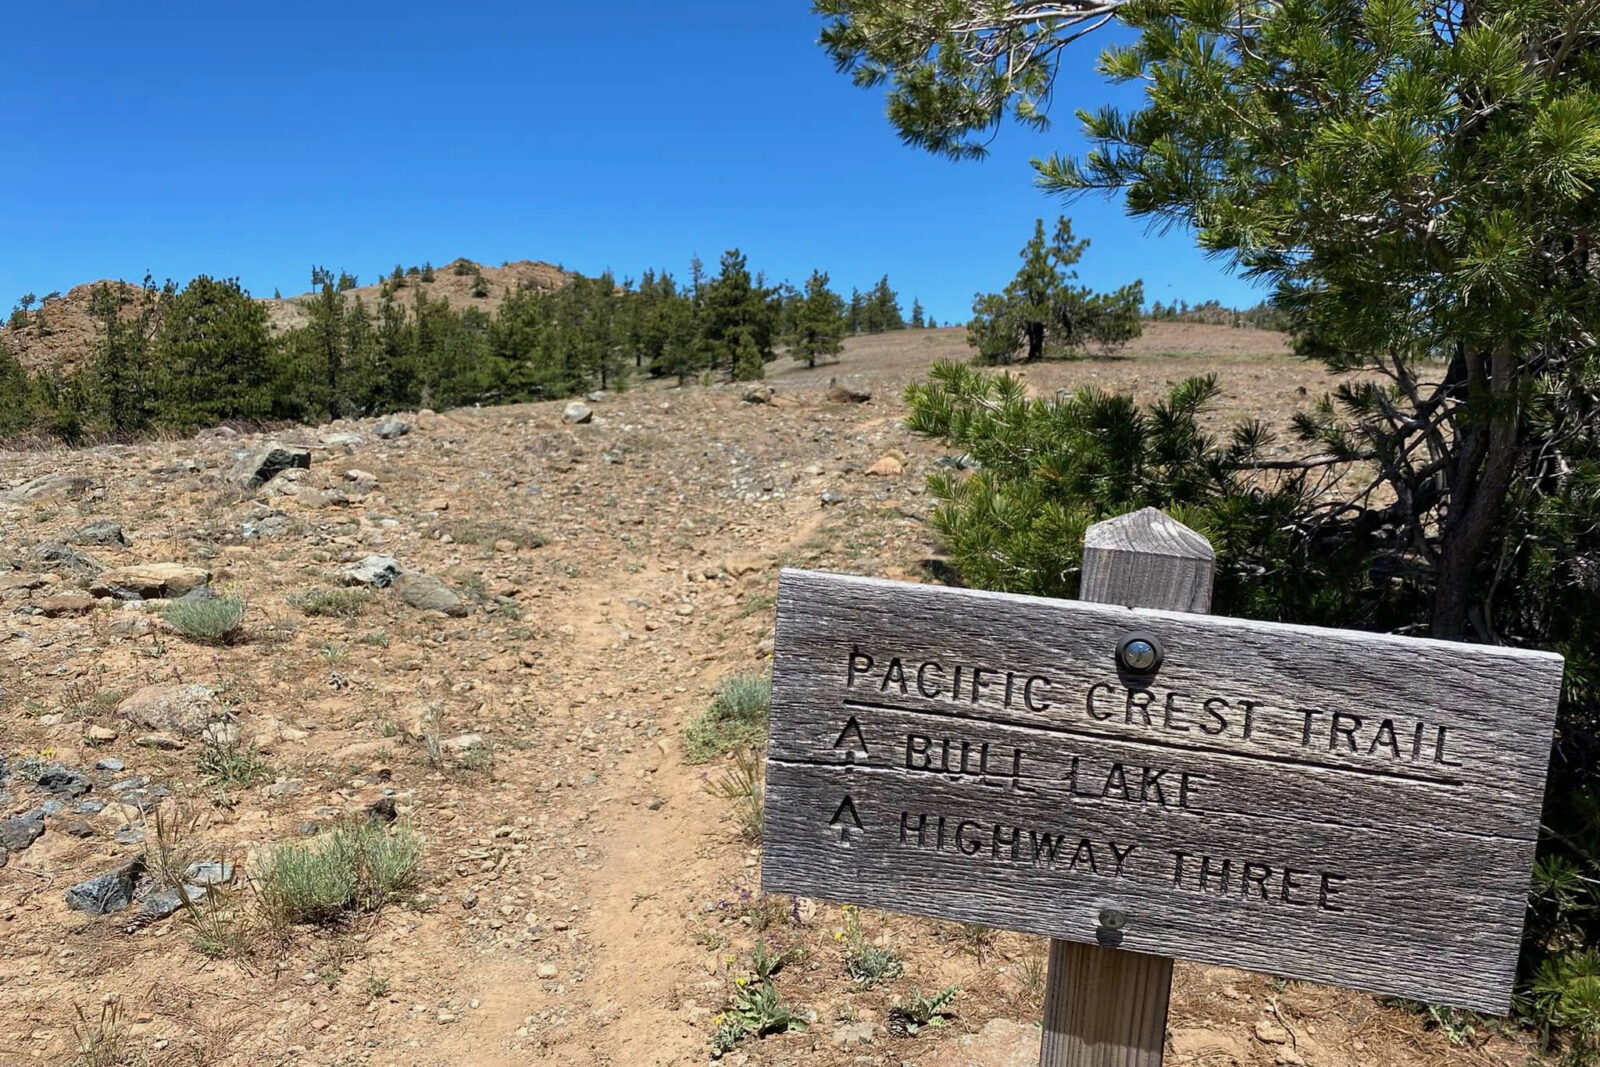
pixel 129 835
pixel 108 892
pixel 833 496
pixel 208 872
pixel 271 526
pixel 392 428
pixel 63 781
pixel 60 557
pixel 374 572
pixel 80 828
pixel 50 485
pixel 100 533
pixel 161 904
pixel 849 1035
pixel 258 467
pixel 577 413
pixel 90 807
pixel 839 393
pixel 427 593
pixel 4 857
pixel 18 833
pixel 109 764
pixel 340 440
pixel 759 394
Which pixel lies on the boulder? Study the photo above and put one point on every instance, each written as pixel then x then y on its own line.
pixel 340 440
pixel 96 736
pixel 374 572
pixel 887 467
pixel 427 593
pixel 577 413
pixel 100 533
pixel 392 428
pixel 179 709
pixel 839 393
pixel 53 485
pixel 64 604
pixel 149 581
pixel 759 394
pixel 60 557
pixel 61 781
pixel 18 833
pixel 259 466
pixel 108 892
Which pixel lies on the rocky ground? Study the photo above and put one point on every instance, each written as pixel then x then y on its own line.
pixel 567 594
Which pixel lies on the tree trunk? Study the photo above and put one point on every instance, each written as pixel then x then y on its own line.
pixel 1035 332
pixel 1477 494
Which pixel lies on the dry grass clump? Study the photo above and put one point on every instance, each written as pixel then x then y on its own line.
pixel 736 719
pixel 210 622
pixel 356 867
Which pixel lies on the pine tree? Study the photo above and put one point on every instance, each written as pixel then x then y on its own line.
pixel 818 325
pixel 855 312
pixel 211 354
pixel 14 415
pixel 736 319
pixel 122 367
pixel 1041 311
pixel 917 320
pixel 880 310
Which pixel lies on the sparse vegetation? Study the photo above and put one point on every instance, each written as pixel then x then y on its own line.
pixel 354 867
pixel 736 719
pixel 920 1011
pixel 867 964
pixel 741 786
pixel 102 1041
pixel 229 761
pixel 332 603
pixel 213 621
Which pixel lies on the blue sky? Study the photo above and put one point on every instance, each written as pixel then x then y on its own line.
pixel 255 140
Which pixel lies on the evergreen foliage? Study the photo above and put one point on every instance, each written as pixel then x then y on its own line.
pixel 817 331
pixel 1416 183
pixel 173 358
pixel 1041 312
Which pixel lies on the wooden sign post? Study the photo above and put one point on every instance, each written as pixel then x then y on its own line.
pixel 1140 781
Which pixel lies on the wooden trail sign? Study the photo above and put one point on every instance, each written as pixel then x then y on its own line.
pixel 1342 807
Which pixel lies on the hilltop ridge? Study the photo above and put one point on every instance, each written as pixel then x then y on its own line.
pixel 70 333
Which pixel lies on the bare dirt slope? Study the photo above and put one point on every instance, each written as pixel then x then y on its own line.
pixel 584 901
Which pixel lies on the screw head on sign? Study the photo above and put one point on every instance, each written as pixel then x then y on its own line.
pixel 1112 919
pixel 1139 653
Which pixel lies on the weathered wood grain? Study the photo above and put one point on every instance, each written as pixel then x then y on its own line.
pixel 1103 1006
pixel 1434 856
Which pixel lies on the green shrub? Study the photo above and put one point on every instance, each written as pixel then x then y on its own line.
pixel 355 867
pixel 736 719
pixel 332 603
pixel 212 622
pixel 1044 469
